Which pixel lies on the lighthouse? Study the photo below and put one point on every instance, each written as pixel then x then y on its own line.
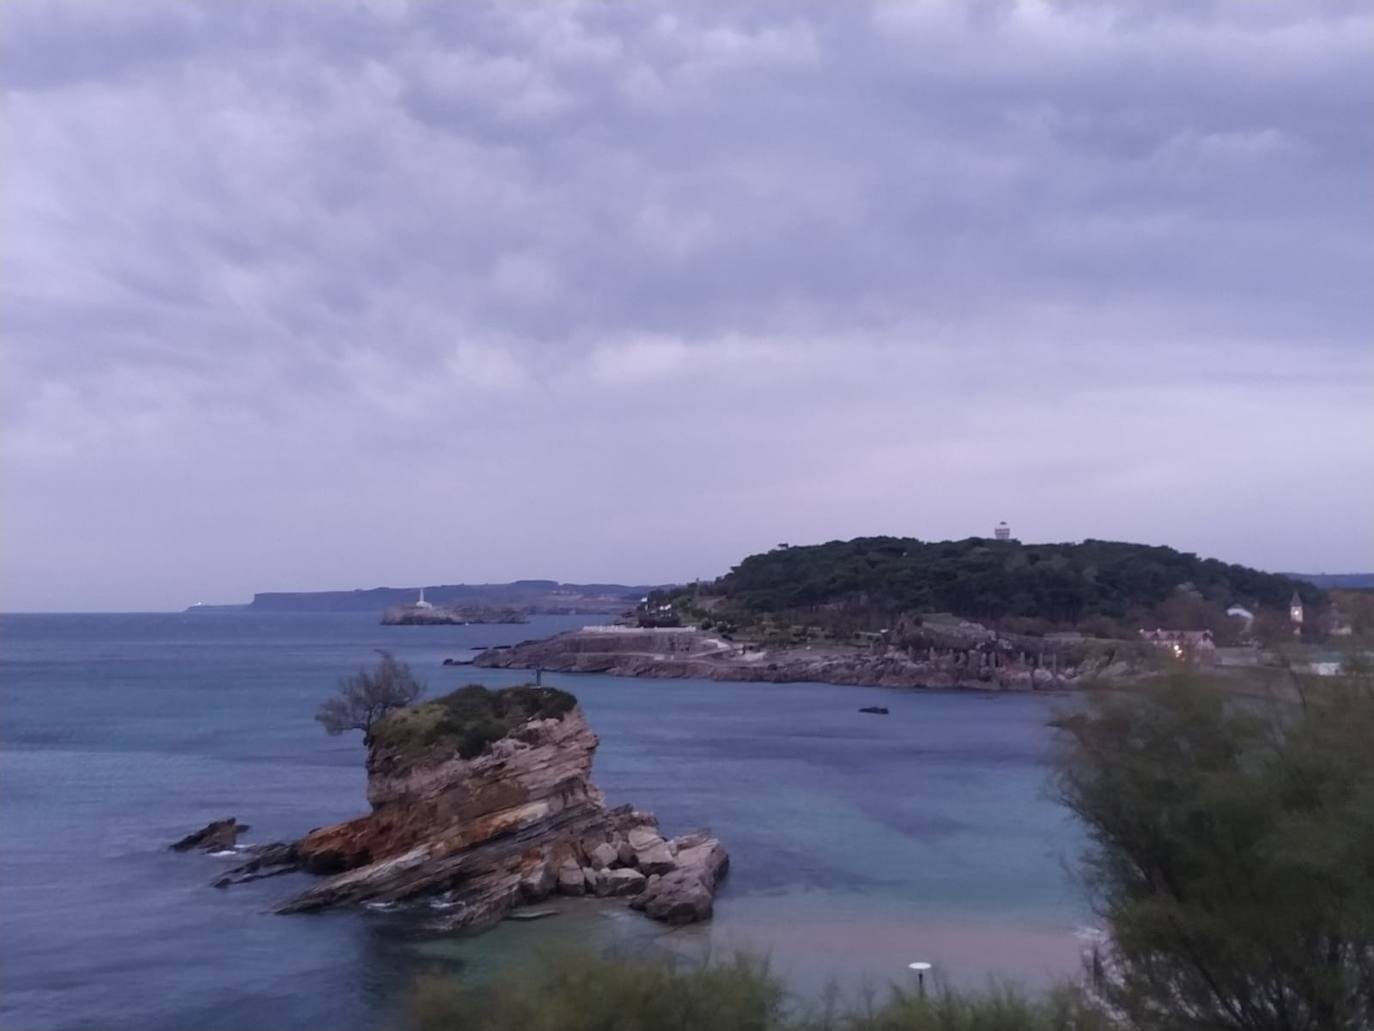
pixel 422 604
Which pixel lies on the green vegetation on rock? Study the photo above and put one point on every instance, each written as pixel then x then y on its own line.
pixel 472 717
pixel 1106 588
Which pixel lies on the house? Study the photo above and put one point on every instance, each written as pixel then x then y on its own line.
pixel 1339 625
pixel 1196 644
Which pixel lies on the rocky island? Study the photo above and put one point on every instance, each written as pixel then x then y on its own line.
pixel 482 801
pixel 446 615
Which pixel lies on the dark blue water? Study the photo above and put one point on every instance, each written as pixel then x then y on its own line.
pixel 857 841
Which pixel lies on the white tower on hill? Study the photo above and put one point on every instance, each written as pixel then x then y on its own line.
pixel 422 604
pixel 1003 531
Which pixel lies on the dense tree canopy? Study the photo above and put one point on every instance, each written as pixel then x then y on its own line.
pixel 1060 584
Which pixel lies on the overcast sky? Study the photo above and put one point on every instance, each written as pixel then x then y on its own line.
pixel 324 295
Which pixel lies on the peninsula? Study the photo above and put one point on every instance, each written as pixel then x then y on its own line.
pixel 982 613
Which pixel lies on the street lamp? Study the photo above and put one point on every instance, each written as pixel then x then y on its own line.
pixel 920 966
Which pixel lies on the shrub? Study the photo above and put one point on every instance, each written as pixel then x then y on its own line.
pixel 577 992
pixel 1230 855
pixel 472 717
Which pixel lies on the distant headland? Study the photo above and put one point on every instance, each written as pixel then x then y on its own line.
pixel 534 597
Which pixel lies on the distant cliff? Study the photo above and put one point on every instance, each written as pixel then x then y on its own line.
pixel 1343 581
pixel 539 596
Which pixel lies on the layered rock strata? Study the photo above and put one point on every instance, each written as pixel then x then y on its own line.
pixel 515 821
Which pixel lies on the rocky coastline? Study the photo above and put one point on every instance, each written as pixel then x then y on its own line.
pixel 979 661
pixel 481 827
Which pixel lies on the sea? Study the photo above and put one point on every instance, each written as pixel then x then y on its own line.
pixel 859 843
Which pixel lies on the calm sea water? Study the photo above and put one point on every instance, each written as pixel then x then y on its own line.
pixel 859 842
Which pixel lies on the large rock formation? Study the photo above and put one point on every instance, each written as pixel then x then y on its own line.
pixel 485 799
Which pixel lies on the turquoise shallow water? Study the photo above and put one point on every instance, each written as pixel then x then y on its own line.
pixel 858 842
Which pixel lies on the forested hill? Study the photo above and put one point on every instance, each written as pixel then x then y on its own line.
pixel 989 580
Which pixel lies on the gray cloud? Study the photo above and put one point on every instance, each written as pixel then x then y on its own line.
pixel 314 294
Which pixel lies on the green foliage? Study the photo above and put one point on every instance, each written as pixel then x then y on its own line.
pixel 866 583
pixel 472 717
pixel 585 993
pixel 998 1009
pixel 1232 855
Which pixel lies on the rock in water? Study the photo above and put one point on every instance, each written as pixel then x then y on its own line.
pixel 877 710
pixel 216 836
pixel 686 894
pixel 487 797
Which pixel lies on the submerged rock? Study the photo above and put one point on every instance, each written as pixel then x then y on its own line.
pixel 216 836
pixel 267 861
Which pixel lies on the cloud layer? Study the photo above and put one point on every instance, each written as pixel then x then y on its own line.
pixel 324 295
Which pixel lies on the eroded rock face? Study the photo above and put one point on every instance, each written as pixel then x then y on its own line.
pixel 538 777
pixel 514 824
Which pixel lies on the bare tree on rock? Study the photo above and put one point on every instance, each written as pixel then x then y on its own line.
pixel 366 696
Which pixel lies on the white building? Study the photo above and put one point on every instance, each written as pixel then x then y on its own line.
pixel 1002 532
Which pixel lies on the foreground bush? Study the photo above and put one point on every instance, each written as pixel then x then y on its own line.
pixel 584 993
pixel 1232 855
